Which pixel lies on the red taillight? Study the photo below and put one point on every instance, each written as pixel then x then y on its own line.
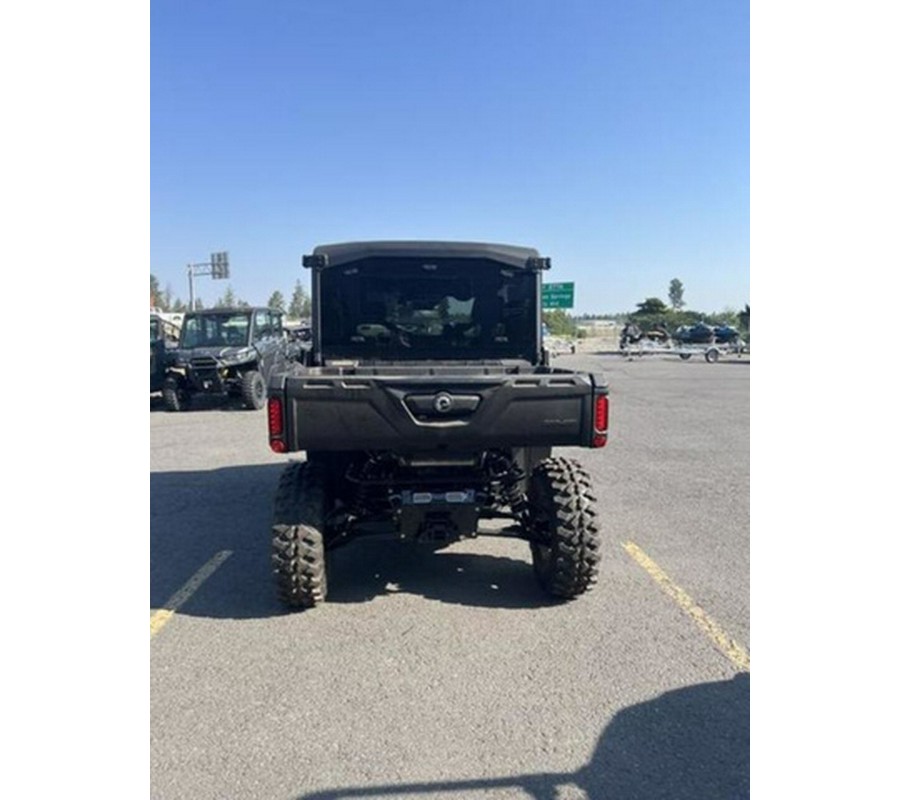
pixel 276 421
pixel 601 420
pixel 276 425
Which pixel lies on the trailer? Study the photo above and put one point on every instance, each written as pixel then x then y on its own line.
pixel 711 351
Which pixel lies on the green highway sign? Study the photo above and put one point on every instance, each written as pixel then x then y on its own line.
pixel 558 295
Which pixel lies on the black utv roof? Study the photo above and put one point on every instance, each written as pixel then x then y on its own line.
pixel 332 255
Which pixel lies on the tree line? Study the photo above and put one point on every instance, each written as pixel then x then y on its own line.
pixel 650 313
pixel 299 307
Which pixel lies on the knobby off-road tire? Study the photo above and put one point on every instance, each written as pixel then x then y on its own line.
pixel 253 390
pixel 566 554
pixel 298 542
pixel 174 397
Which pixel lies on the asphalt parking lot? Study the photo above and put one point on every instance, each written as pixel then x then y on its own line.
pixel 449 674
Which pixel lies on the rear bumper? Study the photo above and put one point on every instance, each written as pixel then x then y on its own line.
pixel 477 412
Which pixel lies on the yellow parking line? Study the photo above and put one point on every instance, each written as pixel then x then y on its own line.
pixel 159 618
pixel 738 656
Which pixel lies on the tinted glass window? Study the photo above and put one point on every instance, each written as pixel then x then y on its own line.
pixel 414 308
pixel 262 324
pixel 215 330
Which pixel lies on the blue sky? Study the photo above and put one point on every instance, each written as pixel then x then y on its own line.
pixel 612 136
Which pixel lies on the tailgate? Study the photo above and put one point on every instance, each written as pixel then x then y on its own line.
pixel 430 412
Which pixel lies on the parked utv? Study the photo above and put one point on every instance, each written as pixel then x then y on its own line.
pixel 163 341
pixel 226 351
pixel 426 406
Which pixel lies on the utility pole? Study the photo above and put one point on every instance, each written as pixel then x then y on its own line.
pixel 217 267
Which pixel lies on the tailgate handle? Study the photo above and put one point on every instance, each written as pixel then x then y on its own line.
pixel 441 405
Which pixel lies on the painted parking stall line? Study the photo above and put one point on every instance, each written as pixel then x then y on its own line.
pixel 160 617
pixel 728 646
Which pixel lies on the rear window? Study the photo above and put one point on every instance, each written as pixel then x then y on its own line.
pixel 410 308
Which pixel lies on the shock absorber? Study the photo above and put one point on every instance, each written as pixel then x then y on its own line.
pixel 358 477
pixel 510 480
pixel 369 480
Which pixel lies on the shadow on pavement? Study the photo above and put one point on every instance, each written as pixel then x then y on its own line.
pixel 203 402
pixel 686 744
pixel 195 515
pixel 364 570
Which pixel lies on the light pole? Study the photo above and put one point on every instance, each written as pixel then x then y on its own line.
pixel 217 267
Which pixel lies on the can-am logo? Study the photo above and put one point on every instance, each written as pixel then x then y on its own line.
pixel 443 403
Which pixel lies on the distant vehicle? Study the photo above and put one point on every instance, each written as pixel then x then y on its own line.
pixel 300 334
pixel 164 332
pixel 632 334
pixel 230 351
pixel 299 338
pixel 725 334
pixel 701 333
